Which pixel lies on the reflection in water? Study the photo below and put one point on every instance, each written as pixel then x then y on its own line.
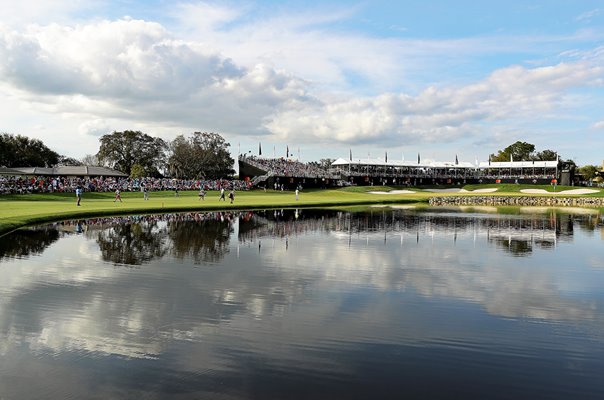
pixel 205 240
pixel 306 303
pixel 135 243
pixel 136 240
pixel 27 242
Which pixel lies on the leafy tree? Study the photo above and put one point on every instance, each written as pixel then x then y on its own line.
pixel 202 155
pixel 326 162
pixel 122 150
pixel 519 151
pixel 137 171
pixel 64 160
pixel 21 151
pixel 546 155
pixel 589 171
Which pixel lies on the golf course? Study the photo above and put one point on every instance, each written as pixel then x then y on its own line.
pixel 26 209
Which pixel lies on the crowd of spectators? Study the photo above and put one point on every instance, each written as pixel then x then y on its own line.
pixel 287 167
pixel 58 184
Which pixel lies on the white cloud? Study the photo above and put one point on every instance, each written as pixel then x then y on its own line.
pixel 598 125
pixel 588 15
pixel 437 114
pixel 284 76
pixel 96 127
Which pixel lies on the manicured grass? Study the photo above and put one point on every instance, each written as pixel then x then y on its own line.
pixel 20 210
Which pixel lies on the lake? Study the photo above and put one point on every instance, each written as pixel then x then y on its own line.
pixel 385 303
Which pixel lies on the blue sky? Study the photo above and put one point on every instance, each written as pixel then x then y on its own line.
pixel 438 78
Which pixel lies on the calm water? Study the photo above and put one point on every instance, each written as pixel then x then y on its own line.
pixel 306 305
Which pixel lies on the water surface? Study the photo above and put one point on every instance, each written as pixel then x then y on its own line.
pixel 384 303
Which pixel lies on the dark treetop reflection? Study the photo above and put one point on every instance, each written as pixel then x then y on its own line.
pixel 305 304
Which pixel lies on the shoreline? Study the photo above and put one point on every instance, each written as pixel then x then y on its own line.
pixel 520 201
pixel 33 210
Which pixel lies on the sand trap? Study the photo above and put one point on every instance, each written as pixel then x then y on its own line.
pixel 455 190
pixel 451 190
pixel 394 192
pixel 573 191
pixel 398 207
pixel 486 190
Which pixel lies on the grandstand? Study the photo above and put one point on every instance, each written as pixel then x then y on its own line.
pixel 376 171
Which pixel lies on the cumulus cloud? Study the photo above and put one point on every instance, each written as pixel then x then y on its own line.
pixel 96 127
pixel 139 72
pixel 136 70
pixel 438 114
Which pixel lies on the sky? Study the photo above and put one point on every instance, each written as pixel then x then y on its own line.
pixel 322 78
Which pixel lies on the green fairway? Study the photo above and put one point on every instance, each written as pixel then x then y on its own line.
pixel 21 210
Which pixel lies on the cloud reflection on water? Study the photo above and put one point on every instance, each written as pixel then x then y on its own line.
pixel 332 281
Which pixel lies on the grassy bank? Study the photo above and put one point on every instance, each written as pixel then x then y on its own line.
pixel 21 210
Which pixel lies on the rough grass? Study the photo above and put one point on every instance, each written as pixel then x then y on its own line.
pixel 21 210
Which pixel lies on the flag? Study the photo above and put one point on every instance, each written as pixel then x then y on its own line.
pixel 259 148
pixel 386 158
pixel 418 158
pixel 350 154
pixel 287 152
pixel 456 160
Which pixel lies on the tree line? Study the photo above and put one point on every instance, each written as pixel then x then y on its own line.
pixel 201 155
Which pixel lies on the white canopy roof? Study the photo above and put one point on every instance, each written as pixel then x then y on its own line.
pixel 445 164
pixel 519 164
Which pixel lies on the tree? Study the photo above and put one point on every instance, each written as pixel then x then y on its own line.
pixel 589 172
pixel 21 151
pixel 546 155
pixel 203 155
pixel 519 151
pixel 121 150
pixel 137 171
pixel 325 163
pixel 64 160
pixel 90 160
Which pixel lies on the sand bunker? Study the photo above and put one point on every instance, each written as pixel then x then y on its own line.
pixel 573 191
pixel 394 192
pixel 451 190
pixel 455 190
pixel 486 190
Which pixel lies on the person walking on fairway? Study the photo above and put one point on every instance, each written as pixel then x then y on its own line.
pixel 221 195
pixel 145 193
pixel 202 194
pixel 118 196
pixel 78 193
pixel 232 196
pixel 297 193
